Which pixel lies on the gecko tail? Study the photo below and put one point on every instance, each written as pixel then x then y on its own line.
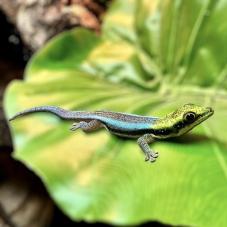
pixel 64 114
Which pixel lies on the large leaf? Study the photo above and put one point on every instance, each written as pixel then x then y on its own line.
pixel 152 57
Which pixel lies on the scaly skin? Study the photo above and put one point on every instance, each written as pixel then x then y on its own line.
pixel 146 129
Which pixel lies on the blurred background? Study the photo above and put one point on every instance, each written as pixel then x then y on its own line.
pixel 191 48
pixel 23 198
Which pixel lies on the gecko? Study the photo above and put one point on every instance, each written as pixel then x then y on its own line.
pixel 146 129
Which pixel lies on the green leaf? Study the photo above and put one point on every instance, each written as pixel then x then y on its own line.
pixel 151 58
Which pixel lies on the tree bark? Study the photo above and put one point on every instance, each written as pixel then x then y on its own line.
pixel 39 20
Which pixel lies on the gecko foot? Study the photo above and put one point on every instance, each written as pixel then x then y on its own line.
pixel 151 156
pixel 75 126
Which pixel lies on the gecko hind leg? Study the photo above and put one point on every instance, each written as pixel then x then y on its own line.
pixel 143 142
pixel 90 126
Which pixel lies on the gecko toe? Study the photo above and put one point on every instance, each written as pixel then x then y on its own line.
pixel 150 157
pixel 75 126
pixel 155 154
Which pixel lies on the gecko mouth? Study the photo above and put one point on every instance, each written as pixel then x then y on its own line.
pixel 207 114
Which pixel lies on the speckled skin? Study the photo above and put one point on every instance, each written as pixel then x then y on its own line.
pixel 176 124
pixel 146 129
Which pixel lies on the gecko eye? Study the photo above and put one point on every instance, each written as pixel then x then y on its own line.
pixel 189 117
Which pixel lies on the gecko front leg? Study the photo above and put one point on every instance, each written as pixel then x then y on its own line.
pixel 143 142
pixel 90 126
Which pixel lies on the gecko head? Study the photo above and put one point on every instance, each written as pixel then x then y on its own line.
pixel 188 116
pixel 182 120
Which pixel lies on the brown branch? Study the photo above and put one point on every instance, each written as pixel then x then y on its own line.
pixel 39 20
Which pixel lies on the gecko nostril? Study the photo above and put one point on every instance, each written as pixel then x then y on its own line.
pixel 210 109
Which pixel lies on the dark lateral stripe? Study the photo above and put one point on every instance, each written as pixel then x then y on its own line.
pixel 179 125
pixel 138 132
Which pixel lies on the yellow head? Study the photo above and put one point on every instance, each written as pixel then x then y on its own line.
pixel 182 120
